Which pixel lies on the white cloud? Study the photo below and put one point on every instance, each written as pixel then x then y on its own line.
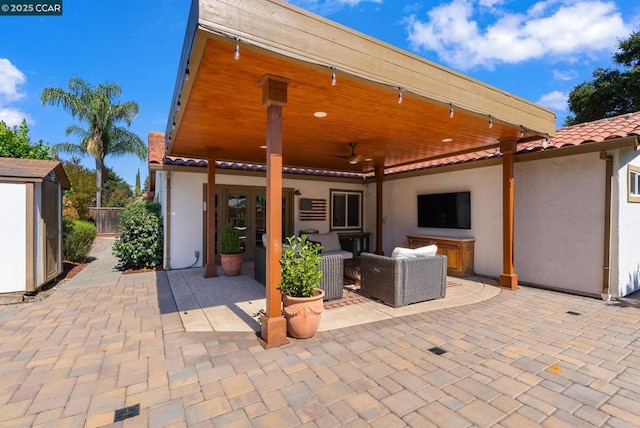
pixel 10 81
pixel 14 117
pixel 328 7
pixel 564 75
pixel 490 3
pixel 555 100
pixel 553 29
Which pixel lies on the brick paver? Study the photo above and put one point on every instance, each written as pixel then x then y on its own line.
pixel 108 341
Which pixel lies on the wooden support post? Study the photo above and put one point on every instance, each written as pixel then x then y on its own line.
pixel 379 172
pixel 210 267
pixel 508 278
pixel 273 324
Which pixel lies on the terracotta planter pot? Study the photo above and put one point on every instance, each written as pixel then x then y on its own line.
pixel 231 263
pixel 303 314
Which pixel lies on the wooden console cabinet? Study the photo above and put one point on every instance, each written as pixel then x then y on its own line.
pixel 459 252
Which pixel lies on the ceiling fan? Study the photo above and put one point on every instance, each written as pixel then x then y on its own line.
pixel 353 158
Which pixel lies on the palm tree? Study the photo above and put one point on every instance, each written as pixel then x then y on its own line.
pixel 99 107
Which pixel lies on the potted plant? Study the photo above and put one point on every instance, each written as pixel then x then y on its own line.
pixel 301 297
pixel 230 247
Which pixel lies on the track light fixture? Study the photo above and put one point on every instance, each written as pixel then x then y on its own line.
pixel 236 52
pixel 186 74
pixel 333 76
pixel 450 111
pixel 490 122
pixel 399 94
pixel 521 131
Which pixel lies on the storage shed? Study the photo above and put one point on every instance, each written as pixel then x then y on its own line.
pixel 30 223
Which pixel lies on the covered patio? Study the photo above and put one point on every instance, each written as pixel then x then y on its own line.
pixel 264 82
pixel 236 304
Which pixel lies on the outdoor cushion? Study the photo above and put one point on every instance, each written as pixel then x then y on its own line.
pixel 407 253
pixel 330 243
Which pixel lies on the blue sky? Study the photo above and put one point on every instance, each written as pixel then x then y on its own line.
pixel 537 50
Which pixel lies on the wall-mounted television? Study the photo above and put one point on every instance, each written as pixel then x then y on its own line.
pixel 445 210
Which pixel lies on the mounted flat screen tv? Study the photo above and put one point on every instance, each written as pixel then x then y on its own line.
pixel 445 210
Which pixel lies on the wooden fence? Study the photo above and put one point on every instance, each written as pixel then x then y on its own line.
pixel 107 220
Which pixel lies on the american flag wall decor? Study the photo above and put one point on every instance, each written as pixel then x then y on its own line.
pixel 313 209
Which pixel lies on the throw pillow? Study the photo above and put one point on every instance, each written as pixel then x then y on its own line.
pixel 406 253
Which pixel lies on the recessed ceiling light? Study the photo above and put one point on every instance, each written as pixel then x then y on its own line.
pixel 447 140
pixel 320 114
pixel 263 147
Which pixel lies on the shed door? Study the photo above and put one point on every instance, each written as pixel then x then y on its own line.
pixel 52 227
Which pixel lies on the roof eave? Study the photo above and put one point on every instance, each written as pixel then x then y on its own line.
pixel 291 32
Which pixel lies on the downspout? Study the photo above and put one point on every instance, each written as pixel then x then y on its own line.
pixel 167 222
pixel 606 264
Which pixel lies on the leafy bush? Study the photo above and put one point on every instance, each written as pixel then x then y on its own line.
pixel 300 263
pixel 77 238
pixel 140 245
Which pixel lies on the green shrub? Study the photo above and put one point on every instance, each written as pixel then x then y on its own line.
pixel 300 266
pixel 140 244
pixel 230 242
pixel 77 238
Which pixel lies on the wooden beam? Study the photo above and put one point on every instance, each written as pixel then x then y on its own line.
pixel 379 172
pixel 273 324
pixel 210 268
pixel 508 278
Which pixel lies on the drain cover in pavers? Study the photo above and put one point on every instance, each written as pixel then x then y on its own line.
pixel 573 313
pixel 126 413
pixel 437 351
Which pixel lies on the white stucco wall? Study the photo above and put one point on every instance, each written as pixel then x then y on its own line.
pixel 559 209
pixel 559 222
pixel 625 276
pixel 13 231
pixel 186 216
pixel 485 184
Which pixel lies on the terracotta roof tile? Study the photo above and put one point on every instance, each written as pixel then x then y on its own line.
pixel 156 147
pixel 626 125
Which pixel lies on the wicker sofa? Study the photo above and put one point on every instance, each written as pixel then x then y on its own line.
pixel 402 281
pixel 332 266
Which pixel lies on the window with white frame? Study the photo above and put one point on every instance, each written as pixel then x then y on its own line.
pixel 346 209
pixel 634 183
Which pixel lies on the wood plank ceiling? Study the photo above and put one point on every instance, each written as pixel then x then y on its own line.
pixel 223 109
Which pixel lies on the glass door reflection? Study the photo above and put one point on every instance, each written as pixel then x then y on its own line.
pixel 237 213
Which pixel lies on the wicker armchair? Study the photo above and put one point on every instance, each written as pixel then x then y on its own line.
pixel 400 282
pixel 332 267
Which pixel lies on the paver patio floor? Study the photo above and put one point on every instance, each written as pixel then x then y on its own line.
pixel 104 342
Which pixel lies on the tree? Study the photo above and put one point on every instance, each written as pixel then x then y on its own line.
pixel 99 108
pixel 138 191
pixel 612 92
pixel 15 143
pixel 81 196
pixel 117 192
